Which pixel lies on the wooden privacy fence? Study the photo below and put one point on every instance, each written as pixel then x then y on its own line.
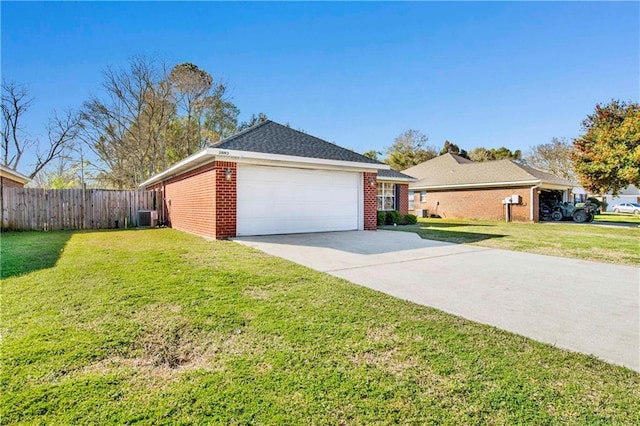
pixel 54 209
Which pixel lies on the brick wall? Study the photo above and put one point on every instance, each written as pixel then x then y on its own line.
pixel 10 183
pixel 203 202
pixel 226 200
pixel 370 201
pixel 190 201
pixel 483 203
pixel 403 194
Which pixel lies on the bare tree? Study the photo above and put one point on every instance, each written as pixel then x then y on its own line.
pixel 62 131
pixel 554 158
pixel 126 129
pixel 15 103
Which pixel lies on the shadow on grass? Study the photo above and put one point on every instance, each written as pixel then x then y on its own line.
pixel 437 224
pixel 455 236
pixel 24 252
pixel 434 232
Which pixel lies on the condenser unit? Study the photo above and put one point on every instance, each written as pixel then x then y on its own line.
pixel 147 218
pixel 422 212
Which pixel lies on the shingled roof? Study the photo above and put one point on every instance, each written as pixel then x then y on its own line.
pixel 270 141
pixel 394 175
pixel 450 170
pixel 272 138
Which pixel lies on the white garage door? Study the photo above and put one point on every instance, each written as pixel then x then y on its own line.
pixel 279 200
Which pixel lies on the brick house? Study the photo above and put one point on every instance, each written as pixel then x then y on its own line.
pixel 455 187
pixel 271 179
pixel 11 179
pixel 393 191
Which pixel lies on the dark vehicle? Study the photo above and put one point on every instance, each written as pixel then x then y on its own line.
pixel 564 211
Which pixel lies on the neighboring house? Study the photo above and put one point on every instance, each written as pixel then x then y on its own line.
pixel 630 194
pixel 455 187
pixel 11 179
pixel 271 179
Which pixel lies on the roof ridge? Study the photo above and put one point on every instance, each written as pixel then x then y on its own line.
pixel 240 133
pixel 531 170
pixel 323 140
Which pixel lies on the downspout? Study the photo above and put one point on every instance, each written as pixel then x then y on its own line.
pixel 531 200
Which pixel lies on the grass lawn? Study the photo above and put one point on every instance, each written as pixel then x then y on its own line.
pixel 157 326
pixel 566 239
pixel 618 218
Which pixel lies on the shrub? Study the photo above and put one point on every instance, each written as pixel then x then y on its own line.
pixel 410 219
pixel 381 217
pixel 601 205
pixel 392 217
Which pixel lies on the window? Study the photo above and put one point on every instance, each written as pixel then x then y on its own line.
pixel 411 198
pixel 423 196
pixel 386 196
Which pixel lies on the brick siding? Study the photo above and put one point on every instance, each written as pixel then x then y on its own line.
pixel 203 202
pixel 370 201
pixel 10 183
pixel 483 203
pixel 226 200
pixel 403 194
pixel 190 201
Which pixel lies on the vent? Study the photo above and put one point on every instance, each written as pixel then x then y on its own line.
pixel 147 218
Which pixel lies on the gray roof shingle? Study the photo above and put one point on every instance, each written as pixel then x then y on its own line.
pixel 392 174
pixel 450 170
pixel 272 138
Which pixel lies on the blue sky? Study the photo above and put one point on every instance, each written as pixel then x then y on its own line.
pixel 357 74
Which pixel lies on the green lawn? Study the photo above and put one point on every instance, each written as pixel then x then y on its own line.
pixel 618 218
pixel 609 244
pixel 157 326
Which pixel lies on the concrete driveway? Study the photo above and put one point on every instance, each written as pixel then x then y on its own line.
pixel 583 306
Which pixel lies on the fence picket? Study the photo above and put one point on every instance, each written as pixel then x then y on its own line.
pixel 54 209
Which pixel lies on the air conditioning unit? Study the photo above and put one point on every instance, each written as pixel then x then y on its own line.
pixel 147 218
pixel 421 212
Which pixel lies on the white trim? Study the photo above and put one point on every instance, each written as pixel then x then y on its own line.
pixel 555 186
pixel 533 188
pixel 208 155
pixel 395 179
pixel 395 198
pixel 191 162
pixel 13 175
pixel 361 202
pixel 476 185
pixel 247 156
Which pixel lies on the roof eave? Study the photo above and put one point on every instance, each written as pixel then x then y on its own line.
pixel 195 160
pixel 14 175
pixel 395 179
pixel 477 185
pixel 241 156
pixel 492 184
pixel 207 155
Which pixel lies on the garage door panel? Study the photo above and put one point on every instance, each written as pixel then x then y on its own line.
pixel 275 200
